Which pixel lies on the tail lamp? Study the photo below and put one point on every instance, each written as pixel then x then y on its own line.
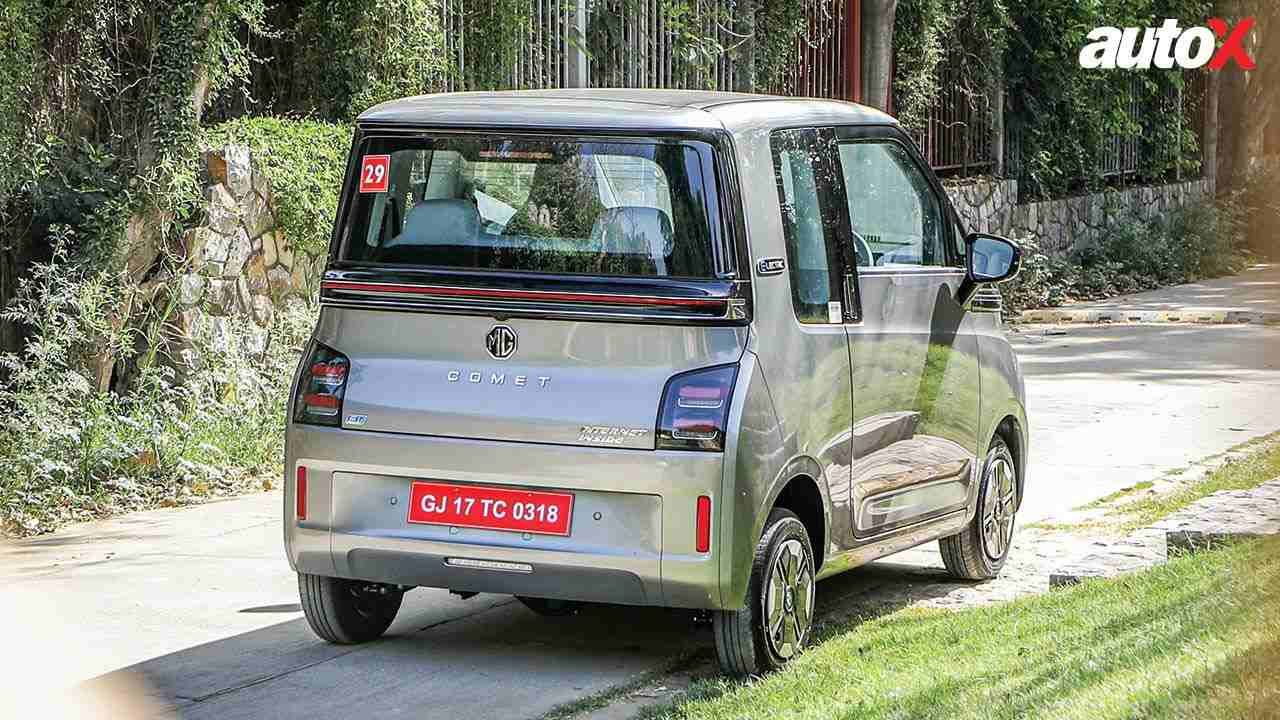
pixel 695 409
pixel 319 395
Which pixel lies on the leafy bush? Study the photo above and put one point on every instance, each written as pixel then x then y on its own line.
pixel 352 54
pixel 70 450
pixel 1201 240
pixel 1262 202
pixel 305 161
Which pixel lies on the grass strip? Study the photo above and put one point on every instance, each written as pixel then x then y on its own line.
pixel 1196 638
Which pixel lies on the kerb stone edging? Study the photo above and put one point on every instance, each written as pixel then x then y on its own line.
pixel 1224 516
pixel 1203 317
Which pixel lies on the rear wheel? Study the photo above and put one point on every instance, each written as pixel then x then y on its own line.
pixel 778 618
pixel 979 551
pixel 347 612
pixel 548 607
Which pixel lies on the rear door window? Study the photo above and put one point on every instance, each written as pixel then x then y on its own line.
pixel 808 191
pixel 639 208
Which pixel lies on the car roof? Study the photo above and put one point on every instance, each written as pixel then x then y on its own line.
pixel 618 109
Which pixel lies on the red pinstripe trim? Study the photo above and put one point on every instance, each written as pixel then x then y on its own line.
pixel 546 295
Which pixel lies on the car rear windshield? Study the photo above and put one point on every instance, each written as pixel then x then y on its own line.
pixel 638 208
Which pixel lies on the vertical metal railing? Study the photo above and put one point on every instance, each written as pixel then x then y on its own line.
pixel 539 59
pixel 957 137
pixel 820 62
pixel 638 43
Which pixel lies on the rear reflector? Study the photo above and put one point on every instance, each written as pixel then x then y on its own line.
pixel 702 533
pixel 300 493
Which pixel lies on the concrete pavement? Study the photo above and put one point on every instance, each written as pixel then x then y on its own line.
pixel 200 605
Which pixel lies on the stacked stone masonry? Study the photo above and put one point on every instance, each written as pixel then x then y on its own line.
pixel 240 262
pixel 1059 226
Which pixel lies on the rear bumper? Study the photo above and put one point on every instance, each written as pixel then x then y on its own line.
pixel 632 532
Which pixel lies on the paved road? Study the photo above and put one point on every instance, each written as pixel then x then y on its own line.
pixel 199 602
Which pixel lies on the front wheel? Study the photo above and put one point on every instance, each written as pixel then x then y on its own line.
pixel 979 551
pixel 347 612
pixel 778 618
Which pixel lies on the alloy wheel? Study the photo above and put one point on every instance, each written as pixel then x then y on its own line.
pixel 788 600
pixel 999 506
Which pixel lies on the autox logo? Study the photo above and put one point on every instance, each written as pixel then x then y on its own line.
pixel 501 342
pixel 1169 45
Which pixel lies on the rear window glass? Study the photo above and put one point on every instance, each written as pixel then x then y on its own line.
pixel 616 208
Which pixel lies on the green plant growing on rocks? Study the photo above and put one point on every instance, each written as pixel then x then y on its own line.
pixel 304 160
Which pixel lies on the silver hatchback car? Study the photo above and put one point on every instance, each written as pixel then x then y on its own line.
pixel 674 348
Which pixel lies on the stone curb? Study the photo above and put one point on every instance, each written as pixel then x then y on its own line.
pixel 1143 549
pixel 1195 541
pixel 1226 516
pixel 1217 317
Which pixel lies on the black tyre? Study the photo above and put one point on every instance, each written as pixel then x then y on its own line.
pixel 548 607
pixel 347 612
pixel 778 619
pixel 979 551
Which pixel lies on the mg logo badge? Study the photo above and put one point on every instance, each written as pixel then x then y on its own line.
pixel 500 342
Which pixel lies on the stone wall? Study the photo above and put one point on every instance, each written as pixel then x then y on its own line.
pixel 240 263
pixel 1062 225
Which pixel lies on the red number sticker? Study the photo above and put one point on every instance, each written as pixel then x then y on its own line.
pixel 375 171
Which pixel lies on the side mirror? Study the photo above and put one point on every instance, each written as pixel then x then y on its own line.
pixel 988 259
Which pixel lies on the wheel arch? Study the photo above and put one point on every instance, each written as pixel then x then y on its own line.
pixel 800 489
pixel 1011 429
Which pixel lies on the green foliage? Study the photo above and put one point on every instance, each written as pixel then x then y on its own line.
pixel 353 54
pixel 1204 239
pixel 968 35
pixel 1194 638
pixel 778 27
pixel 1260 198
pixel 69 451
pixel 18 50
pixel 1065 116
pixel 304 160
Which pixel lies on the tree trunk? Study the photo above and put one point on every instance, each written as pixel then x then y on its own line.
pixel 745 25
pixel 1209 153
pixel 877 51
pixel 1232 144
pixel 143 238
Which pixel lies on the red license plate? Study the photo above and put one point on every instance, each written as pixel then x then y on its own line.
pixel 490 508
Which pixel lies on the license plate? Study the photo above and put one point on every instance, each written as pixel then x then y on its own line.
pixel 490 508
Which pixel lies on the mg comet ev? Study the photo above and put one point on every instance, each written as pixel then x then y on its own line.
pixel 685 349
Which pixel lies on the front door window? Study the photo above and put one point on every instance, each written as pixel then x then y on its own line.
pixel 894 213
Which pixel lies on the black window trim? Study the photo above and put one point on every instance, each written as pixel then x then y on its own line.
pixel 841 265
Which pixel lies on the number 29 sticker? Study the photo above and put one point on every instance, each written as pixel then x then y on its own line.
pixel 375 172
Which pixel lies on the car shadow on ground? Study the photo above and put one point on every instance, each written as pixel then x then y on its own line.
pixel 487 657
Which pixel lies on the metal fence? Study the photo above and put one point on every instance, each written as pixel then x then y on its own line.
pixel 1121 153
pixel 821 64
pixel 537 58
pixel 637 43
pixel 958 136
pixel 634 44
